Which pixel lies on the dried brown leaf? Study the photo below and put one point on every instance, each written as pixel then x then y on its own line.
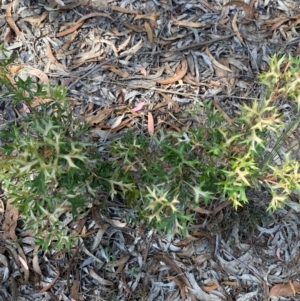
pixel 47 287
pixel 236 30
pixel 152 17
pixel 150 123
pixel 201 210
pixel 37 101
pixel 14 69
pixel 39 74
pixel 35 262
pixel 134 28
pixel 215 62
pixel 75 288
pixel 248 8
pixel 10 220
pixel 180 73
pixel 101 280
pixel 149 32
pixel 10 20
pixel 124 10
pixel 51 57
pixel 111 44
pixel 116 70
pixel 67 31
pixel 124 44
pixel 287 289
pixel 169 100
pixel 210 287
pixel 116 263
pixel 184 23
pixel 100 116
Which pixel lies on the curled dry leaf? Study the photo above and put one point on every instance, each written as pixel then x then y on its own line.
pixel 51 57
pixel 111 44
pixel 67 31
pixel 124 43
pixel 39 74
pixel 102 281
pixel 235 28
pixel 10 20
pixel 180 73
pixel 215 62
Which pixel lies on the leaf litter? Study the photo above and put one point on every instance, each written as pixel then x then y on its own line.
pixel 159 57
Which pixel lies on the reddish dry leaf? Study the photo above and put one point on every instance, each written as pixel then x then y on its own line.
pixel 142 70
pixel 150 123
pixel 138 107
pixel 287 289
pixel 180 73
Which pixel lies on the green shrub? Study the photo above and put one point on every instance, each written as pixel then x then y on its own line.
pixel 50 168
pixel 47 164
pixel 175 172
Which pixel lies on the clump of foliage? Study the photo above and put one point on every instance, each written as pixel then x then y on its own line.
pixel 46 162
pixel 50 168
pixel 174 172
